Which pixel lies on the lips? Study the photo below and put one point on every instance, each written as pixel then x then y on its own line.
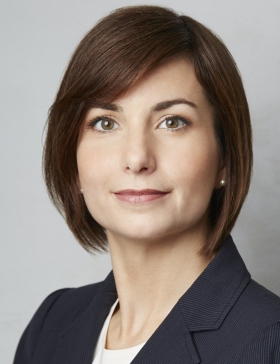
pixel 139 196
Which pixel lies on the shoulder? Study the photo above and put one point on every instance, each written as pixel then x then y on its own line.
pixel 264 347
pixel 65 304
pixel 258 310
pixel 260 302
pixel 62 307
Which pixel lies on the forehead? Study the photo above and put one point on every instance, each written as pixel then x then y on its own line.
pixel 172 79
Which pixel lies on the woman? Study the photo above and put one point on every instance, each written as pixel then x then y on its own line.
pixel 148 151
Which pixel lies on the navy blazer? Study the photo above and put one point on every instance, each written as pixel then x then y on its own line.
pixel 224 318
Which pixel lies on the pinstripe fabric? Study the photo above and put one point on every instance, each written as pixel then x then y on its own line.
pixel 257 352
pixel 224 318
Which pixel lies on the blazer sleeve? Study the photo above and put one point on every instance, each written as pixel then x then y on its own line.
pixel 264 347
pixel 27 344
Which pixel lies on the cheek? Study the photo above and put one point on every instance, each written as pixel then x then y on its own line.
pixel 94 172
pixel 196 178
pixel 206 165
pixel 94 165
pixel 197 163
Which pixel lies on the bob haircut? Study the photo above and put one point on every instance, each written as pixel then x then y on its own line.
pixel 114 55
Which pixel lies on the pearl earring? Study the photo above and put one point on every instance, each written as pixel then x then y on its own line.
pixel 222 182
pixel 81 190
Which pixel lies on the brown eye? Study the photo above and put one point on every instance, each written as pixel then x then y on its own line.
pixel 107 124
pixel 173 122
pixel 103 124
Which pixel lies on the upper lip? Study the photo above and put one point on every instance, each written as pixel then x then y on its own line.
pixel 140 192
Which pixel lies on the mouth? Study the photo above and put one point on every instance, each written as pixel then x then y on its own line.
pixel 140 196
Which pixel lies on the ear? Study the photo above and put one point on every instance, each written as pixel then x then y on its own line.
pixel 221 177
pixel 78 183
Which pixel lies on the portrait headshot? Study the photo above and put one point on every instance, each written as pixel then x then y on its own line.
pixel 140 182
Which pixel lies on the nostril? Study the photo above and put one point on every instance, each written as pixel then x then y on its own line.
pixel 140 169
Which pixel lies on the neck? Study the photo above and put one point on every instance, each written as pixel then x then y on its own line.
pixel 150 279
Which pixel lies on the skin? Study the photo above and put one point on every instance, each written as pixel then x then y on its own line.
pixel 154 242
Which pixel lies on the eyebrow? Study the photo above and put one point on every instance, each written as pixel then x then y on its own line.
pixel 158 107
pixel 166 104
pixel 110 107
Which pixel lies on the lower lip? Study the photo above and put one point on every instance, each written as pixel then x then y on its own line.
pixel 139 199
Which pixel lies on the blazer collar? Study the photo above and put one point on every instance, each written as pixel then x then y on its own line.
pixel 207 302
pixel 203 307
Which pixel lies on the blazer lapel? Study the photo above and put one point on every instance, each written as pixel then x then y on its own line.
pixel 171 343
pixel 208 301
pixel 77 343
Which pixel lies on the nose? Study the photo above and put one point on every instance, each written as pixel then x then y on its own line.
pixel 139 155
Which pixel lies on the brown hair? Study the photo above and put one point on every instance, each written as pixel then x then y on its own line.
pixel 116 53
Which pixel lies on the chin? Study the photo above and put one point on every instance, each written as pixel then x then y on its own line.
pixel 138 233
pixel 147 233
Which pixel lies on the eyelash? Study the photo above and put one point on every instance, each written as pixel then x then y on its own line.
pixel 92 123
pixel 179 118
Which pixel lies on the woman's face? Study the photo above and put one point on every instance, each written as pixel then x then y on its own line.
pixel 149 162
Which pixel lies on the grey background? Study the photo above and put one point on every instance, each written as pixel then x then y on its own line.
pixel 38 253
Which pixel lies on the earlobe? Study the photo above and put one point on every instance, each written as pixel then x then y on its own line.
pixel 221 179
pixel 79 185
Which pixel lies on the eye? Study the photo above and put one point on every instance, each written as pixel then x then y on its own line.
pixel 173 122
pixel 103 124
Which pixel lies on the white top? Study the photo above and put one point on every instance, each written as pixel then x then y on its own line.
pixel 105 356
